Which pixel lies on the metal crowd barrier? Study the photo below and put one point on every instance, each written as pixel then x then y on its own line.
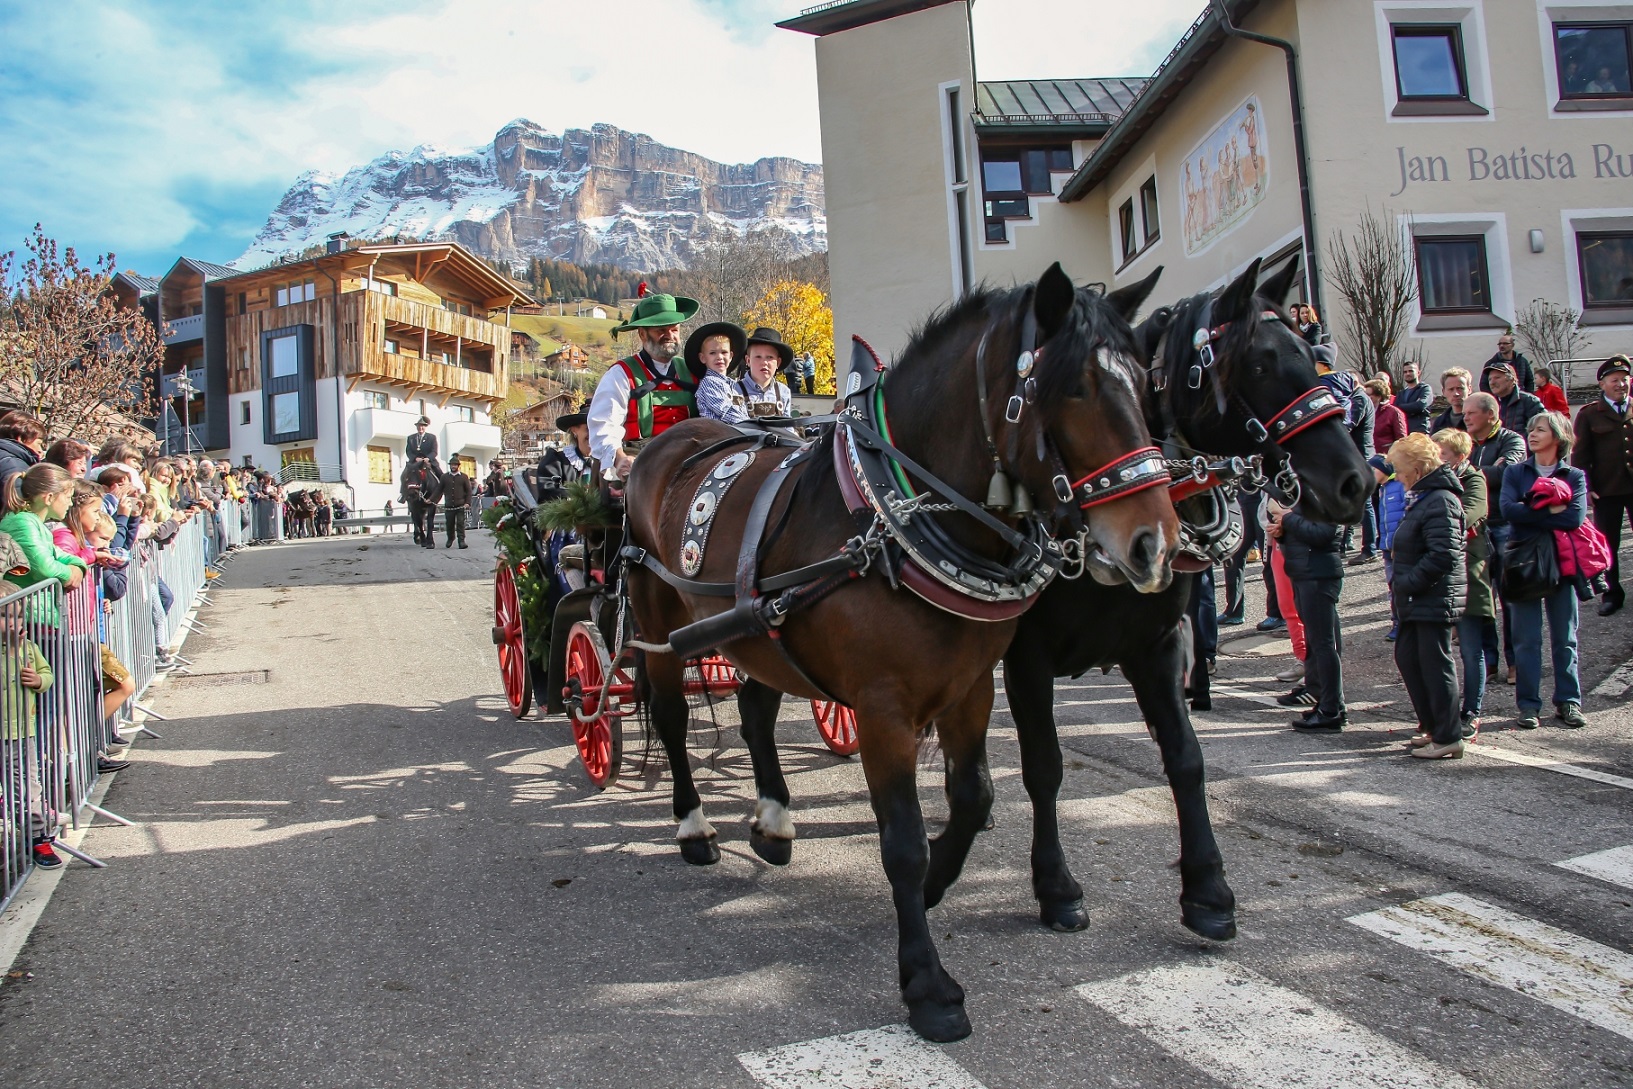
pixel 51 724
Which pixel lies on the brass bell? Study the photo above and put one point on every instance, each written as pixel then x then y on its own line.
pixel 999 494
pixel 1023 501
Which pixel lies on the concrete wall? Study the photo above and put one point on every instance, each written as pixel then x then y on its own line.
pixel 886 169
pixel 1364 158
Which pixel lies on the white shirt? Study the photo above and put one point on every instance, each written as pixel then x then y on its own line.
pixel 609 410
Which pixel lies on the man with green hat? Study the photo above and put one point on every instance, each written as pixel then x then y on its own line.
pixel 647 393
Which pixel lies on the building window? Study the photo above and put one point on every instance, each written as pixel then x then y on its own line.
pixel 1148 209
pixel 1125 229
pixel 376 399
pixel 457 307
pixel 1606 263
pixel 380 465
pixel 390 347
pixel 384 287
pixel 297 292
pixel 1452 274
pixel 243 412
pixel 243 303
pixel 1594 59
pixel 1010 175
pixel 286 413
pixel 464 413
pixel 1429 63
pixel 285 356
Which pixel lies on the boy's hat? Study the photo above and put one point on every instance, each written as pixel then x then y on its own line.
pixel 733 332
pixel 1381 463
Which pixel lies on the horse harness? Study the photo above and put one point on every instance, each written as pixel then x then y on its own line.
pixel 895 532
pixel 1215 535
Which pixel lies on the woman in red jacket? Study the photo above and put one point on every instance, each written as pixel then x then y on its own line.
pixel 1391 421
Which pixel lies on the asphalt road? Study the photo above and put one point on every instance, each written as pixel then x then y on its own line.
pixel 356 869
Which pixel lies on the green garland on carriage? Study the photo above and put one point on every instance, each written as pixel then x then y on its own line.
pixel 516 552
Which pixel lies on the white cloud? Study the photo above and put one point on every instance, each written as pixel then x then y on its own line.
pixel 1069 39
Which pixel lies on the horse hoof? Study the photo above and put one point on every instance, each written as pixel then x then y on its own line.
pixel 776 851
pixel 1202 703
pixel 939 1023
pixel 1064 916
pixel 1220 926
pixel 700 852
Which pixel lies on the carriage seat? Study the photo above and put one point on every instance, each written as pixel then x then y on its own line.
pixel 525 487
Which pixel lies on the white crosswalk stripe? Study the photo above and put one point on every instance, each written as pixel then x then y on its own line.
pixel 1614 866
pixel 884 1058
pixel 1252 1034
pixel 1570 973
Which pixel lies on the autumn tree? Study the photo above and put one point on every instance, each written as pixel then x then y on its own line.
pixel 800 312
pixel 731 277
pixel 1373 275
pixel 68 353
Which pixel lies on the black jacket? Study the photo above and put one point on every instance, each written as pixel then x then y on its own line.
pixel 1414 401
pixel 421 446
pixel 1518 410
pixel 1431 580
pixel 1522 371
pixel 14 458
pixel 1310 548
pixel 456 490
pixel 553 475
pixel 1447 418
pixel 1492 457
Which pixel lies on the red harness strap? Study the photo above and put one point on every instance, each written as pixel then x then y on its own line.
pixel 1308 409
pixel 1133 472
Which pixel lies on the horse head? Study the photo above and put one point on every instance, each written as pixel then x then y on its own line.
pixel 1237 379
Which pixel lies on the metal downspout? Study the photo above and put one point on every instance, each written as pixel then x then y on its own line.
pixel 1300 151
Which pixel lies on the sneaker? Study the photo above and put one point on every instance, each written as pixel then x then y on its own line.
pixel 1513 674
pixel 1570 716
pixel 105 765
pixel 210 574
pixel 1321 724
pixel 1298 697
pixel 1432 751
pixel 1270 623
pixel 1224 621
pixel 1471 727
pixel 1253 556
pixel 1526 722
pixel 44 856
pixel 1294 674
pixel 1213 666
pixel 1363 559
pixel 1393 634
pixel 116 743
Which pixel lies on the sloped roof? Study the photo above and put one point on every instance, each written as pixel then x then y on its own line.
pixel 208 269
pixel 1048 103
pixel 144 285
pixel 839 15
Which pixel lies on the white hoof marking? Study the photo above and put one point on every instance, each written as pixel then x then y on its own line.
pixel 771 819
pixel 695 826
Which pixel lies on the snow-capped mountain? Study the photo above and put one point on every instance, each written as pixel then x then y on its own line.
pixel 599 195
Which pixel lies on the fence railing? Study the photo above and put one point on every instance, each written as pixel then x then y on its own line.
pixel 52 728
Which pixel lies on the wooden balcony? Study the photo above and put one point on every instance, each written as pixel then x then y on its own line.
pixel 482 347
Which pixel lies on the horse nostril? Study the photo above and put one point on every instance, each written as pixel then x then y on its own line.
pixel 1352 486
pixel 1143 549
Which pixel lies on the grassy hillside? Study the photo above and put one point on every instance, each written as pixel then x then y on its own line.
pixel 591 334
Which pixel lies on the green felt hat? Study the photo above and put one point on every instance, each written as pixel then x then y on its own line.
pixel 657 311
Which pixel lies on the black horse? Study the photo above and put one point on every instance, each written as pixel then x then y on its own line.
pixel 1230 376
pixel 420 487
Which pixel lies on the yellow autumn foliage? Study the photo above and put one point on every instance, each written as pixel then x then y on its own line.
pixel 800 312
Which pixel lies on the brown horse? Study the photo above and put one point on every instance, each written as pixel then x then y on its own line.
pixel 1062 421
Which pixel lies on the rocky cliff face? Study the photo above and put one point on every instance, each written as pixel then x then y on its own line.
pixel 599 195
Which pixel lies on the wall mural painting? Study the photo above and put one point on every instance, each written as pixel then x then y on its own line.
pixel 1224 176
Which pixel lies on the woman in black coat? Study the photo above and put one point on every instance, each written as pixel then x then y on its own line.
pixel 1430 588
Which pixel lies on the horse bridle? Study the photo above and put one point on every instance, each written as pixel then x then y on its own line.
pixel 1302 412
pixel 1123 476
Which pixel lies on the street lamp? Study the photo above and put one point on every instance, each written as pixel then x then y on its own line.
pixel 184 386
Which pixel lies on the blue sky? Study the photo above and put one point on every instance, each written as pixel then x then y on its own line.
pixel 153 128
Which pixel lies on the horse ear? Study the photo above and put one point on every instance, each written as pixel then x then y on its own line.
pixel 1276 288
pixel 1126 300
pixel 1234 300
pixel 1052 299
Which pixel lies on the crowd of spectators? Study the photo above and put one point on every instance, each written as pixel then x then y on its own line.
pixel 1493 517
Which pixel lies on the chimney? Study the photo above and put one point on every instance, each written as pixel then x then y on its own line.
pixel 337 241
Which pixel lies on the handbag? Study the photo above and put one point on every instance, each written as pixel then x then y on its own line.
pixel 1530 568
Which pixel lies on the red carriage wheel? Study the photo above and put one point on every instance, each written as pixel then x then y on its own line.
pixel 719 675
pixel 510 636
pixel 837 725
pixel 597 729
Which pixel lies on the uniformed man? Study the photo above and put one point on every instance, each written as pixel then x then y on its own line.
pixel 456 501
pixel 765 357
pixel 1604 452
pixel 422 445
pixel 645 394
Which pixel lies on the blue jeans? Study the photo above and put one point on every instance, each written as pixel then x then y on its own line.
pixel 1369 526
pixel 1469 630
pixel 1561 609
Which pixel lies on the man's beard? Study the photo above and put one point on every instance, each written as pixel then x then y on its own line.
pixel 661 351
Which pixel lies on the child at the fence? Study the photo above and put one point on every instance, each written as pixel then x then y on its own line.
pixel 24 674
pixel 153 536
pixel 89 695
pixel 43 493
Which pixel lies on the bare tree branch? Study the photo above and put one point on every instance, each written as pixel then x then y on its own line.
pixel 1373 274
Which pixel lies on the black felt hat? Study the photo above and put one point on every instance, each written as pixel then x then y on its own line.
pixel 571 420
pixel 772 338
pixel 694 343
